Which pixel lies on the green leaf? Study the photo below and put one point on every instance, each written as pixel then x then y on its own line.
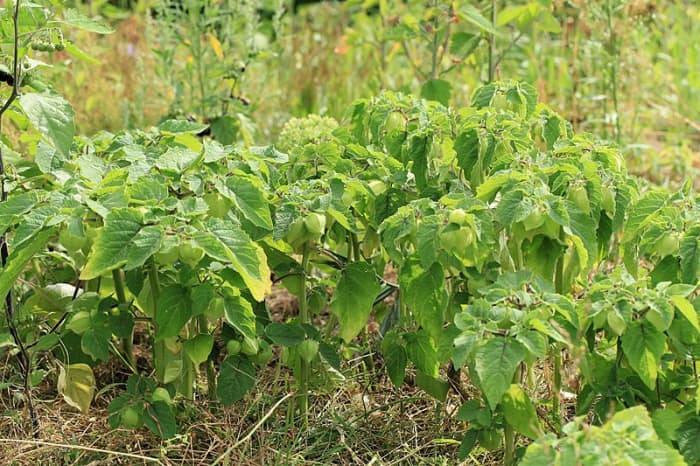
pixel 422 352
pixel 76 383
pixel 463 44
pixel 226 242
pixel 520 412
pixel 689 440
pixel 247 193
pixel 426 294
pixel 643 347
pixel 689 252
pixel 236 377
pixel 472 15
pixel 173 310
pixel 354 297
pixel 666 423
pixel 74 18
pixel 52 115
pixel 395 360
pixel 124 241
pixel 438 90
pixel 433 386
pixel 18 259
pixel 159 418
pixel 240 315
pixel 687 310
pixel 177 159
pixel 181 126
pixel 199 347
pixel 285 334
pixel 495 364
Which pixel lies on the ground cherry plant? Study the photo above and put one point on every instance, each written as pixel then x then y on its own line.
pixel 519 256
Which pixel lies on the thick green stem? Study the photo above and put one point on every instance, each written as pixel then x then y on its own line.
pixel 120 289
pixel 508 431
pixel 556 389
pixel 304 368
pixel 158 345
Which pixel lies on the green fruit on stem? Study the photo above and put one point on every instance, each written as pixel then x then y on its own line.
pixel 233 347
pixel 315 224
pixel 264 355
pixel 307 350
pixel 131 418
pixel 168 253
pixel 161 394
pixel 218 205
pixel 190 253
pixel 394 121
pixel 456 239
pixel 535 219
pixel 458 217
pixel 249 347
pixel 579 196
pixel 608 199
pixel 667 245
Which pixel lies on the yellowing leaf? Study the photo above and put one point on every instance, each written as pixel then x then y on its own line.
pixel 76 383
pixel 216 46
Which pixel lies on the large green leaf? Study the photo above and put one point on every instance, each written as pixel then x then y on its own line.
pixel 643 346
pixel 18 259
pixel 76 383
pixel 173 311
pixel 689 440
pixel 426 294
pixel 422 352
pixel 76 19
pixel 247 193
pixel 495 364
pixel 124 241
pixel 353 298
pixel 240 315
pixel 52 115
pixel 689 252
pixel 520 412
pixel 226 242
pixel 236 377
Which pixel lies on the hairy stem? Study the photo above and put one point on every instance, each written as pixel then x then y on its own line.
pixel 158 345
pixel 304 319
pixel 120 289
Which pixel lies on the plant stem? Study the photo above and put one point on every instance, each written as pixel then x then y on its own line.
pixel 508 431
pixel 304 319
pixel 492 42
pixel 158 345
pixel 119 288
pixel 25 362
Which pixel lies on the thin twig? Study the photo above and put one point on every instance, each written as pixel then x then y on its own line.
pixel 252 430
pixel 80 447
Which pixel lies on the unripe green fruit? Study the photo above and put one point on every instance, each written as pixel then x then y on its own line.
pixel 249 347
pixel 535 219
pixel 307 350
pixel 218 205
pixel 315 224
pixel 667 245
pixel 233 347
pixel 579 196
pixel 264 355
pixel 394 121
pixel 499 101
pixel 190 253
pixel 608 199
pixel 131 418
pixel 458 217
pixel 161 394
pixel 168 252
pixel 456 239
